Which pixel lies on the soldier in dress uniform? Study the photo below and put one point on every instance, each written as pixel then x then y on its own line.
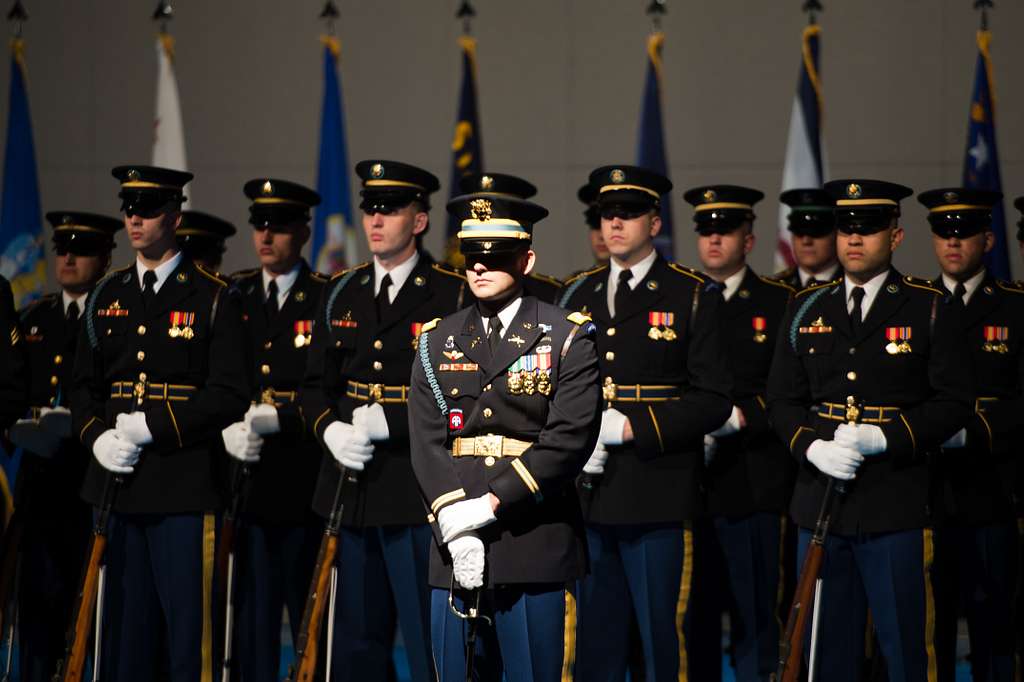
pixel 869 379
pixel 201 237
pixel 977 462
pixel 275 459
pixel 505 399
pixel 55 521
pixel 749 472
pixel 158 373
pixel 812 222
pixel 14 363
pixel 355 399
pixel 540 286
pixel 666 383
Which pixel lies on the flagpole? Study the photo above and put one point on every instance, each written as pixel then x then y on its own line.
pixel 984 6
pixel 812 7
pixel 18 15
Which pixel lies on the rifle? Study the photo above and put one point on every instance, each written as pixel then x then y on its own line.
pixel 72 667
pixel 308 642
pixel 225 562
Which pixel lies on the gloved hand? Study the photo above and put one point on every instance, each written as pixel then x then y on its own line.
pixel 598 458
pixel 349 445
pixel 116 453
pixel 463 516
pixel 132 426
pixel 957 440
pixel 241 442
pixel 867 439
pixel 733 424
pixel 372 420
pixel 833 459
pixel 56 420
pixel 467 561
pixel 710 447
pixel 30 435
pixel 262 419
pixel 612 424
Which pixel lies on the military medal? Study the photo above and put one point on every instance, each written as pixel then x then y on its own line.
pixel 303 332
pixel 187 319
pixel 544 383
pixel 514 382
pixel 654 333
pixel 415 328
pixel 759 324
pixel 529 382
pixel 661 326
pixel 995 339
pixel 894 334
pixel 175 330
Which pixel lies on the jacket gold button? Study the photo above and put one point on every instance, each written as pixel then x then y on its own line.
pixel 140 356
pixel 609 356
pixel 488 412
pixel 611 331
pixel 489 461
pixel 455 391
pixel 141 330
pixel 265 370
pixel 57 359
pixel 268 345
pixel 378 365
pixel 378 344
pixel 852 376
pixel 53 381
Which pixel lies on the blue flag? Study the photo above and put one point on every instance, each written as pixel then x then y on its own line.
pixel 333 234
pixel 981 162
pixel 650 146
pixel 467 153
pixel 22 260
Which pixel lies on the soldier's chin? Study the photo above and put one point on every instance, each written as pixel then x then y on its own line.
pixel 489 291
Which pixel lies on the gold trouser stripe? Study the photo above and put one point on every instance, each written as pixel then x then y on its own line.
pixel 988 430
pixel 780 590
pixel 657 430
pixel 929 604
pixel 683 604
pixel 913 441
pixel 174 422
pixel 209 542
pixel 569 638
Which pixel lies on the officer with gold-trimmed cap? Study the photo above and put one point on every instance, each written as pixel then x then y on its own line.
pixel 666 383
pixel 812 226
pixel 977 462
pixel 54 520
pixel 158 373
pixel 867 383
pixel 505 398
pixel 355 397
pixel 201 236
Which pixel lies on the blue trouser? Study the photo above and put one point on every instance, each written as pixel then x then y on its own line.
pixel 274 569
pixel 752 555
pixel 382 577
pixel 531 639
pixel 890 574
pixel 159 584
pixel 647 569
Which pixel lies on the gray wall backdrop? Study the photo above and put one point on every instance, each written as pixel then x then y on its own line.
pixel 559 93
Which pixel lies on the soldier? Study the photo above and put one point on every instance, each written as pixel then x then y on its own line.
pixel 158 373
pixel 506 399
pixel 666 383
pixel 277 459
pixel 55 522
pixel 812 223
pixel 867 382
pixel 201 237
pixel 977 461
pixel 540 286
pixel 355 398
pixel 14 362
pixel 749 472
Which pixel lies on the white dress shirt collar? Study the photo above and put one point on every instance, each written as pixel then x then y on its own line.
pixel 284 282
pixel 68 298
pixel 506 315
pixel 399 274
pixel 970 285
pixel 871 289
pixel 163 271
pixel 637 273
pixel 732 283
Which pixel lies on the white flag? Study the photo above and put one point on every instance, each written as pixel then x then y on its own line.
pixel 168 130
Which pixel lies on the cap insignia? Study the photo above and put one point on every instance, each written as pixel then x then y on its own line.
pixel 481 209
pixel 617 176
pixel 377 170
pixel 709 195
pixel 486 182
pixel 268 188
pixel 950 197
pixel 853 190
pixel 132 175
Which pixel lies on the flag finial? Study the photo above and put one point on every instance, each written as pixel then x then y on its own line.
pixel 812 7
pixel 330 14
pixel 163 13
pixel 984 6
pixel 656 10
pixel 466 13
pixel 18 15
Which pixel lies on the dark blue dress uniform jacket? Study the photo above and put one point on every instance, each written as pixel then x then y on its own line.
pixel 13 362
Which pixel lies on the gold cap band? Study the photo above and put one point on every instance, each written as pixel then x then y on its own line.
pixel 612 188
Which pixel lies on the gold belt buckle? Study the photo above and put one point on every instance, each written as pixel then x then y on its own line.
pixel 609 389
pixel 376 392
pixel 267 397
pixel 488 446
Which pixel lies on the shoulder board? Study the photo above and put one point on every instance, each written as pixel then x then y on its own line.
pixel 921 284
pixel 209 275
pixel 785 274
pixel 342 273
pixel 776 283
pixel 546 278
pixel 1015 287
pixel 447 270
pixel 815 287
pixel 578 318
pixel 689 272
pixel 242 274
pixel 428 326
pixel 27 310
pixel 585 273
pixel 318 277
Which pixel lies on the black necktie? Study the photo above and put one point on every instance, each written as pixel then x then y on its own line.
pixel 857 314
pixel 493 332
pixel 383 300
pixel 71 321
pixel 958 294
pixel 622 292
pixel 148 288
pixel 272 308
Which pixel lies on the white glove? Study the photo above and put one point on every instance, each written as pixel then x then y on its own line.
pixel 372 420
pixel 349 445
pixel 262 419
pixel 957 440
pixel 132 426
pixel 613 423
pixel 732 425
pixel 833 459
pixel 598 458
pixel 467 561
pixel 463 516
pixel 241 442
pixel 30 435
pixel 710 447
pixel 56 420
pixel 867 439
pixel 115 453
